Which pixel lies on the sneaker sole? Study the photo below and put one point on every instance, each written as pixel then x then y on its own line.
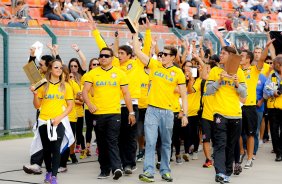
pixel 117 175
pixel 145 179
pixel 186 158
pixel 30 171
pixel 102 177
pixel 170 180
pixel 128 172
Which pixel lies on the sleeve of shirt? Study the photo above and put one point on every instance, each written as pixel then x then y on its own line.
pixel 69 92
pixel 197 85
pixel 153 64
pixel 241 76
pixel 40 92
pixel 181 78
pixel 88 77
pixel 123 79
pixel 116 62
pixel 99 40
pixel 147 42
pixel 212 84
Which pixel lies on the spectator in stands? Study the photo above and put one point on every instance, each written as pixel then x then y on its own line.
pixel 88 3
pixel 105 9
pixel 183 9
pixel 263 25
pixel 202 13
pixel 85 13
pixel 101 17
pixel 159 10
pixel 277 5
pixel 236 19
pixel 21 18
pixel 196 25
pixel 50 12
pixel 214 5
pixel 62 10
pixel 229 23
pixel 71 10
pixel 150 9
pixel 253 23
pixel 209 24
pixel 255 5
pixel 3 12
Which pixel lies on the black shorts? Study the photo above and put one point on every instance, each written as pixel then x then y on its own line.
pixel 207 130
pixel 249 120
pixel 140 122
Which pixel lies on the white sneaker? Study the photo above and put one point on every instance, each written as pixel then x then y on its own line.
pixel 32 169
pixel 200 148
pixel 249 164
pixel 195 156
pixel 62 169
pixel 260 143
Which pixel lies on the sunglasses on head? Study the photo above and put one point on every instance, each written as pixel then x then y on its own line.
pixel 104 55
pixel 57 67
pixel 73 66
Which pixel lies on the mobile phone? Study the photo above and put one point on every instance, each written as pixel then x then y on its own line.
pixel 194 72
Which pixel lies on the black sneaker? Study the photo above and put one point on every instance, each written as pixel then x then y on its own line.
pixel 237 169
pixel 146 177
pixel 103 175
pixel 158 165
pixel 133 168
pixel 167 177
pixel 127 170
pixel 117 174
pixel 140 156
pixel 219 178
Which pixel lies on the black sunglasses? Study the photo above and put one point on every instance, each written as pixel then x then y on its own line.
pixel 270 63
pixel 95 64
pixel 160 54
pixel 166 54
pixel 104 55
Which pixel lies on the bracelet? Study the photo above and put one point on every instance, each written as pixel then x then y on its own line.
pixel 77 50
pixel 132 113
pixel 185 115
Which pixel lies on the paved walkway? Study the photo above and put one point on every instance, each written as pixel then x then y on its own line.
pixel 15 153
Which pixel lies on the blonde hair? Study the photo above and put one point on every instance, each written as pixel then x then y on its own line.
pixel 48 77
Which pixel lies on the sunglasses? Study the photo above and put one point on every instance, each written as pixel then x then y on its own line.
pixel 165 54
pixel 160 54
pixel 104 55
pixel 57 67
pixel 73 66
pixel 270 63
pixel 96 64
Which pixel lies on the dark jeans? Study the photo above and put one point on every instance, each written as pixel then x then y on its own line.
pixel 226 135
pixel 89 125
pixel 51 149
pixel 52 16
pixel 107 130
pixel 128 138
pixel 259 8
pixel 275 119
pixel 191 134
pixel 176 136
pixel 65 155
pixel 79 133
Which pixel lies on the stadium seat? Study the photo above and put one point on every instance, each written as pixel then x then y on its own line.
pixel 35 3
pixel 36 13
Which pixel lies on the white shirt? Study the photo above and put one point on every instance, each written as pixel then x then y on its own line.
pixel 209 24
pixel 184 9
pixel 261 25
pixel 280 16
pixel 252 3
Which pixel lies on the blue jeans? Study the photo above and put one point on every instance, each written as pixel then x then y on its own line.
pixel 260 115
pixel 16 24
pixel 259 8
pixel 162 120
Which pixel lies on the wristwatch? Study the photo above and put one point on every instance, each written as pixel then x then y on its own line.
pixel 184 115
pixel 278 93
pixel 132 113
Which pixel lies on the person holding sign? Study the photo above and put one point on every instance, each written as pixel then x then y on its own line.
pixel 228 89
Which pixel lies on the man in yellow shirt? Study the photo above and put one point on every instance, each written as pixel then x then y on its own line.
pixel 249 113
pixel 227 90
pixel 107 82
pixel 159 115
pixel 273 91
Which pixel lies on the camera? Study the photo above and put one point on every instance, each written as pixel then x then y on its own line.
pixel 279 90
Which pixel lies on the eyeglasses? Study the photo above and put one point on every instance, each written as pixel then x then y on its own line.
pixel 96 64
pixel 270 63
pixel 57 67
pixel 104 55
pixel 73 66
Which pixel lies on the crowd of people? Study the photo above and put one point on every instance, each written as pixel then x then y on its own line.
pixel 140 99
pixel 172 13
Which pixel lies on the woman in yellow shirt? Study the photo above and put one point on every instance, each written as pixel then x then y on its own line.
pixel 56 101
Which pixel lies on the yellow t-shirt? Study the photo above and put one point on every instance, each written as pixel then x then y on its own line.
pixel 176 103
pixel 208 103
pixel 275 102
pixel 194 98
pixel 53 101
pixel 226 98
pixel 78 107
pixel 143 100
pixel 133 69
pixel 106 85
pixel 163 82
pixel 252 76
pixel 265 69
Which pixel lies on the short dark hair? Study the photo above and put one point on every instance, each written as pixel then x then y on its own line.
pixel 80 70
pixel 173 50
pixel 229 49
pixel 108 49
pixel 47 59
pixel 208 16
pixel 250 55
pixel 127 49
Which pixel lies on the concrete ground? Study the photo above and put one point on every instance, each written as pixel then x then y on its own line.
pixel 15 153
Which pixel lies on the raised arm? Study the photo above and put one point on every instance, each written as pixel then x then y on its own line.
pixel 81 56
pixel 147 39
pixel 97 36
pixel 136 48
pixel 271 47
pixel 264 54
